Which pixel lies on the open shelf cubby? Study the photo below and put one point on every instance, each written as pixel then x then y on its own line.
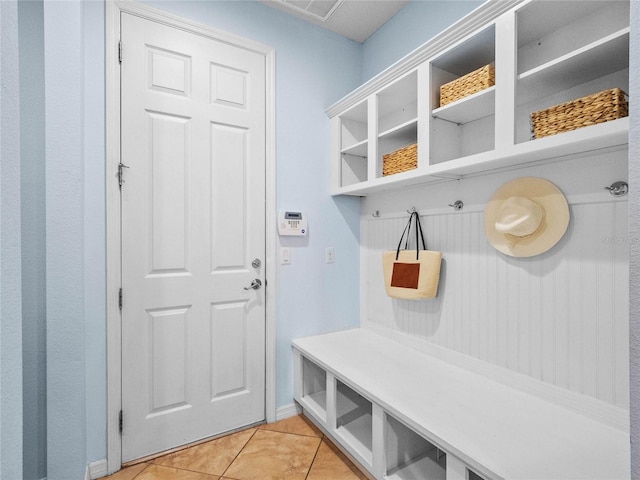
pixel 397 107
pixel 314 388
pixel 353 421
pixel 354 145
pixel 565 53
pixel 466 126
pixel 409 456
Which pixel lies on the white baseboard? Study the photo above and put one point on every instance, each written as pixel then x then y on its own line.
pixel 96 470
pixel 287 411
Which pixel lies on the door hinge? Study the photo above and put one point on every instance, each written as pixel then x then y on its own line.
pixel 121 167
pixel 120 299
pixel 120 51
pixel 120 422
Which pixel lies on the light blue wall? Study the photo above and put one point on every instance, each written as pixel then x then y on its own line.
pixel 67 398
pixel 94 228
pixel 634 236
pixel 417 22
pixel 31 38
pixel 10 249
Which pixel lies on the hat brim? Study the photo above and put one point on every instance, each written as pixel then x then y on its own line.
pixel 554 224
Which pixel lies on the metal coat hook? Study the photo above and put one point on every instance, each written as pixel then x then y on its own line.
pixel 376 214
pixel 412 211
pixel 618 189
pixel 457 205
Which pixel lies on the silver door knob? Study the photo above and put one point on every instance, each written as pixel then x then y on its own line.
pixel 255 285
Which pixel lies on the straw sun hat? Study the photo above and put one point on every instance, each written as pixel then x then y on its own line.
pixel 526 217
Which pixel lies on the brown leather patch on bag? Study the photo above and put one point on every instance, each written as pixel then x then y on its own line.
pixel 405 275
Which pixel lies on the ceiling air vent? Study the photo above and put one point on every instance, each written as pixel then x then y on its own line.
pixel 317 9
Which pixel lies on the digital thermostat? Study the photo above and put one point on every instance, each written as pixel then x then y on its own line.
pixel 292 223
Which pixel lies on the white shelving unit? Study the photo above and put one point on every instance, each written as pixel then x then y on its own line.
pixel 403 414
pixel 545 53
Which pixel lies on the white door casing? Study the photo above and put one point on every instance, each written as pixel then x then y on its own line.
pixel 195 141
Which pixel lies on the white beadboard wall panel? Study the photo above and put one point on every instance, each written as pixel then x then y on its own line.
pixel 560 317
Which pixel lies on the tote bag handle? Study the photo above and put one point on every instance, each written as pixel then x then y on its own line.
pixel 407 231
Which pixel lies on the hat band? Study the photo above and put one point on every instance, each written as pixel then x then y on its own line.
pixel 515 239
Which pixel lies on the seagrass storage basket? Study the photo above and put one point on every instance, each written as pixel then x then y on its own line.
pixel 469 84
pixel 597 108
pixel 401 160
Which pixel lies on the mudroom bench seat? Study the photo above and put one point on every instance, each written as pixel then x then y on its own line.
pixel 405 414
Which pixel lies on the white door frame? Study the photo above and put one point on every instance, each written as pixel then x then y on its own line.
pixel 113 9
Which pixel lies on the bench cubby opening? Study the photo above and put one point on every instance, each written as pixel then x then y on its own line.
pixel 354 420
pixel 410 456
pixel 314 387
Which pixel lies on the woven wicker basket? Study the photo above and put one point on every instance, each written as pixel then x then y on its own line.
pixel 401 160
pixel 582 112
pixel 469 84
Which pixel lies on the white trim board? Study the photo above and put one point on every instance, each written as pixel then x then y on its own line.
pixel 96 470
pixel 287 411
pixel 113 10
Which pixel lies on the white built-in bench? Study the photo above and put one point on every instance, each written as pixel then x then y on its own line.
pixel 404 414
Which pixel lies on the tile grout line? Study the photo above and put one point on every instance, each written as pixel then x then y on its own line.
pixel 312 435
pixel 175 468
pixel 141 471
pixel 314 457
pixel 238 454
pixel 185 470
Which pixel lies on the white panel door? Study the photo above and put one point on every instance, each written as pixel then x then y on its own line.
pixel 193 210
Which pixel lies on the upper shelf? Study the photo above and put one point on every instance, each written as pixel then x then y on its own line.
pixel 607 135
pixel 468 109
pixel 606 55
pixel 408 128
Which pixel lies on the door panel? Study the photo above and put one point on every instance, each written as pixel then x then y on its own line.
pixel 229 319
pixel 193 208
pixel 169 351
pixel 167 176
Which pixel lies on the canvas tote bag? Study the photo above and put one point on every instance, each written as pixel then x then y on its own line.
pixel 412 274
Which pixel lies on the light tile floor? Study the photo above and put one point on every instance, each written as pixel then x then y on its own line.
pixel 292 449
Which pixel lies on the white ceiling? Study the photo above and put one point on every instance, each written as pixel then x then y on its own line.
pixel 354 19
